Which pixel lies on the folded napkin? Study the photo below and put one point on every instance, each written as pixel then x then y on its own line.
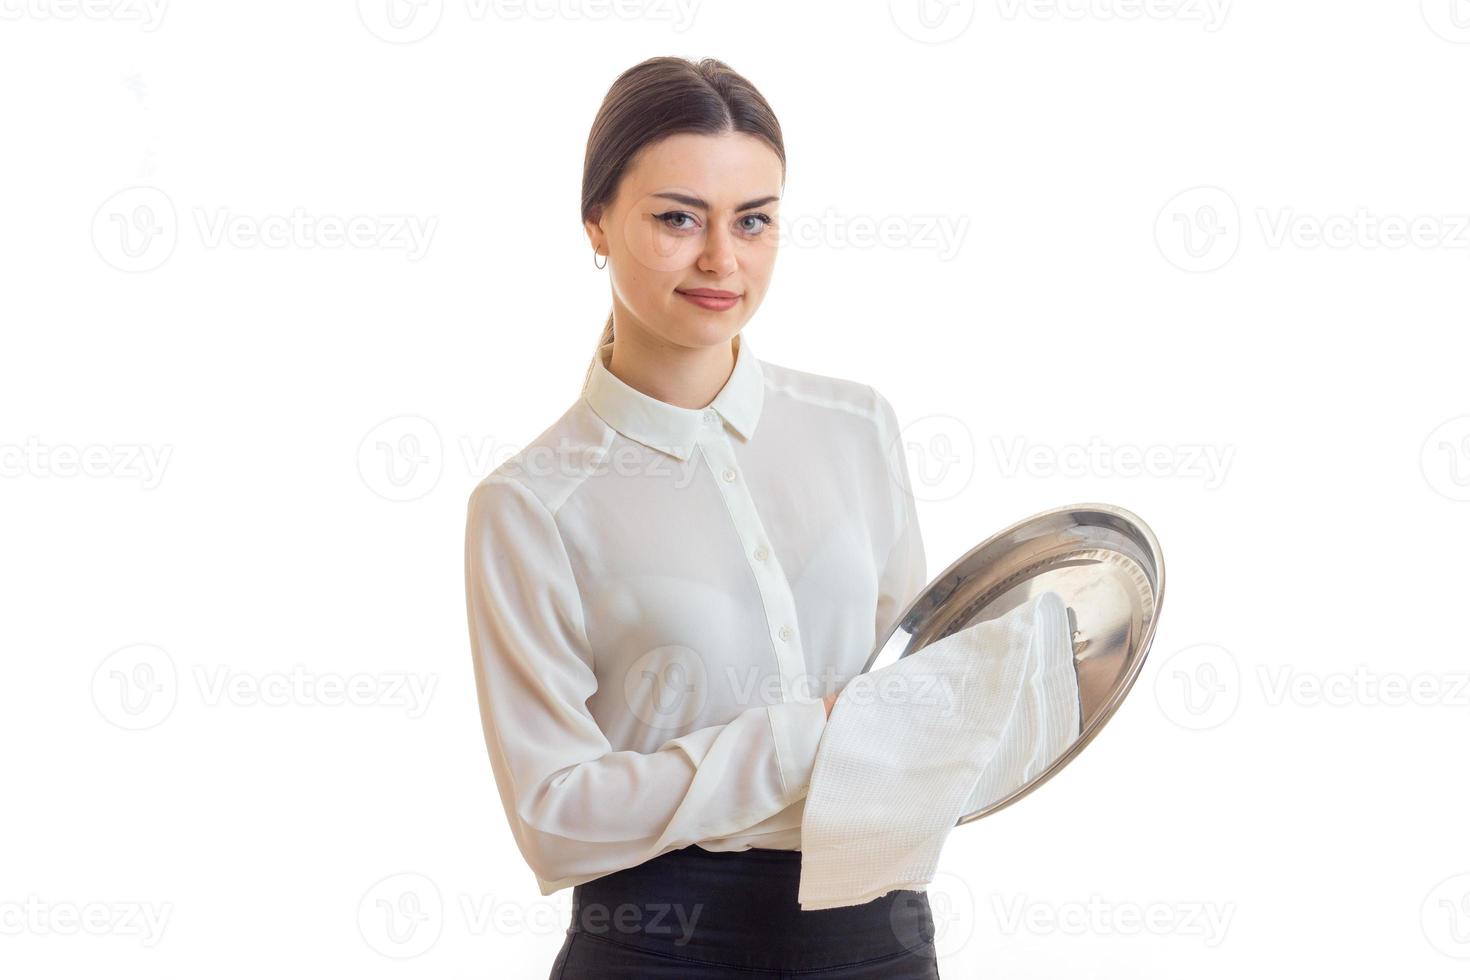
pixel 907 746
pixel 1047 720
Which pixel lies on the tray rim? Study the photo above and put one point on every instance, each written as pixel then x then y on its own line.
pixel 1120 690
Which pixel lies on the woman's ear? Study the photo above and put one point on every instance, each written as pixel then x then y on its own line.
pixel 595 234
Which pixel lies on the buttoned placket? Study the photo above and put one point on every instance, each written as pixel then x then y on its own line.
pixel 775 591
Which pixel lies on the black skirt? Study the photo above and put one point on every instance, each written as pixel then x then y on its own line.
pixel 692 914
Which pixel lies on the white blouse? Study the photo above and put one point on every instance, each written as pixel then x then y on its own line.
pixel 660 597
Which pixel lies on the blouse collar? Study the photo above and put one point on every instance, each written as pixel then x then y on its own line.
pixel 670 428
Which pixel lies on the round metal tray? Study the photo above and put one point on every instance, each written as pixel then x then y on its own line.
pixel 1103 561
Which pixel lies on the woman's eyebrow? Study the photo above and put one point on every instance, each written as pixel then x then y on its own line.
pixel 695 202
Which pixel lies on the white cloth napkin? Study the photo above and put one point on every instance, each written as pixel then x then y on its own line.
pixel 1047 720
pixel 906 749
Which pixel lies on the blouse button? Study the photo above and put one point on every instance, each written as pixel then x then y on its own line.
pixel 709 415
pixel 729 476
pixel 786 632
pixel 761 554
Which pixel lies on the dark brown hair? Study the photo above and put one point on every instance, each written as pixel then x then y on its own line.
pixel 661 97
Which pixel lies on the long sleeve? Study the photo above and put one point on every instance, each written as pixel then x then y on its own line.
pixel 577 808
pixel 905 572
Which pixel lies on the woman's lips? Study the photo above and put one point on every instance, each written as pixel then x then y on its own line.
pixel 710 299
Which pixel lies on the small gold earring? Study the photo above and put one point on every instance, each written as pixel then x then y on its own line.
pixel 594 258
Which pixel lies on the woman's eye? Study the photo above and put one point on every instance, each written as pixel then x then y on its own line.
pixel 670 217
pixel 761 219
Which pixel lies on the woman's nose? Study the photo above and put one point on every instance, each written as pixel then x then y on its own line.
pixel 718 257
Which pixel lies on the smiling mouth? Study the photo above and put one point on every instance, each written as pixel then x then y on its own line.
pixel 709 293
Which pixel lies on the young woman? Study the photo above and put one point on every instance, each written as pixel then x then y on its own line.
pixel 669 586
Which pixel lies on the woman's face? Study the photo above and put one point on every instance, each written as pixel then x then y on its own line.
pixel 692 212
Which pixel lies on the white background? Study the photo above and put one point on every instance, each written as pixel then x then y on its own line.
pixel 1195 230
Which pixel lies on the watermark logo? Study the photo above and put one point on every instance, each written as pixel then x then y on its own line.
pixel 1450 19
pixel 136 687
pixel 136 229
pixel 401 458
pixel 666 688
pixel 952 909
pixel 1445 458
pixel 400 21
pixel 401 916
pixel 1445 917
pixel 1199 229
pixel 1199 686
pixel 939 454
pixel 932 21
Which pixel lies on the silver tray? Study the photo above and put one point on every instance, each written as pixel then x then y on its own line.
pixel 1103 561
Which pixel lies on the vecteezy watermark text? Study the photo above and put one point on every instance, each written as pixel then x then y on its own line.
pixel 137 687
pixel 1210 14
pixel 138 228
pixel 1205 462
pixel 131 461
pixel 1097 916
pixel 148 14
pixel 34 916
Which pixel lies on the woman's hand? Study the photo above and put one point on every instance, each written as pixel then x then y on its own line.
pixel 830 700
